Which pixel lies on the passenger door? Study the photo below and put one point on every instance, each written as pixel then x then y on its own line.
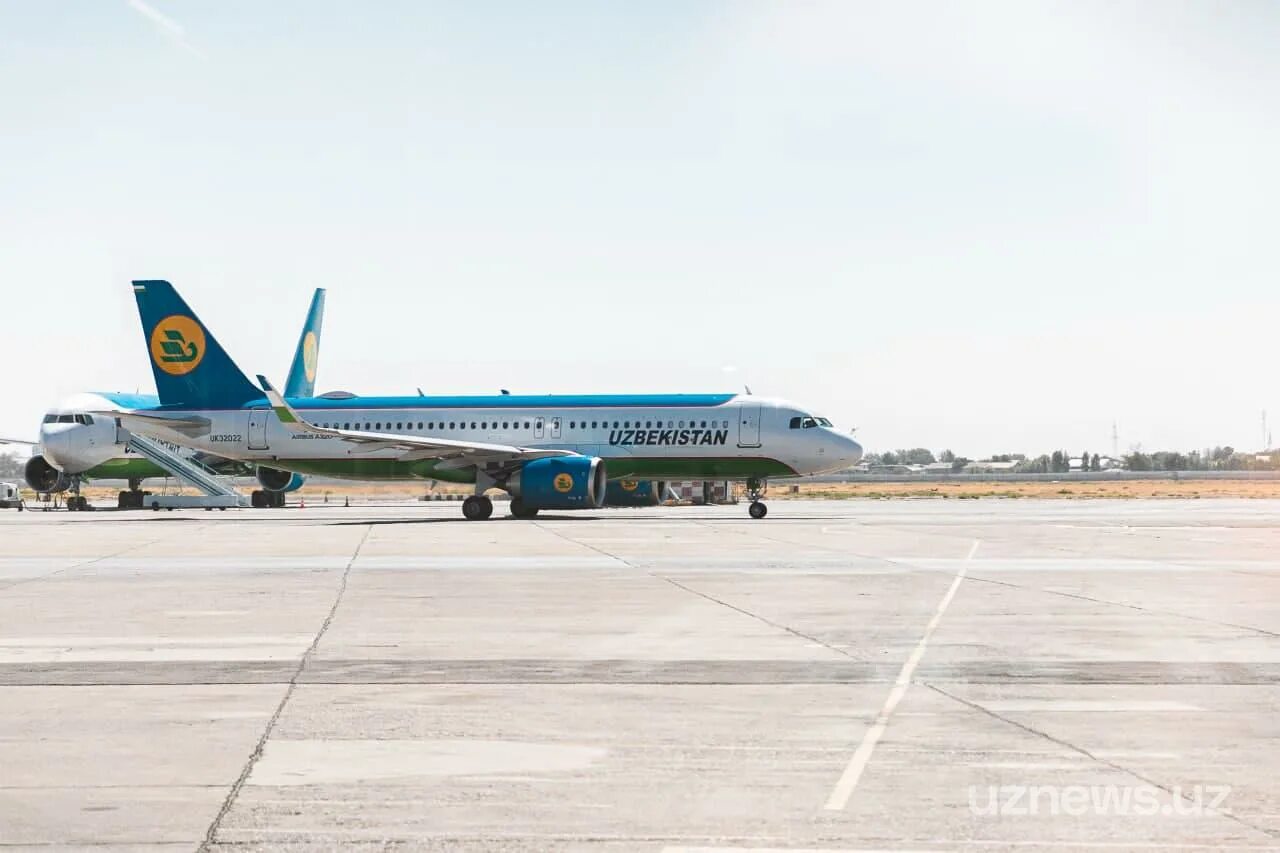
pixel 749 425
pixel 258 429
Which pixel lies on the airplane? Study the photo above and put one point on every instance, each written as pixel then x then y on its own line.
pixel 77 445
pixel 551 452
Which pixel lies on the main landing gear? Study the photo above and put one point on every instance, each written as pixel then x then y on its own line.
pixel 520 510
pixel 477 508
pixel 755 491
pixel 133 498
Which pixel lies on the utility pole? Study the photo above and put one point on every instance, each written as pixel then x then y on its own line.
pixel 1115 441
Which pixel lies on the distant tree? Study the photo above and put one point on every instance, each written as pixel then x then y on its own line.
pixel 916 456
pixel 1137 461
pixel 1084 461
pixel 1096 464
pixel 958 463
pixel 10 465
pixel 946 456
pixel 889 458
pixel 1039 465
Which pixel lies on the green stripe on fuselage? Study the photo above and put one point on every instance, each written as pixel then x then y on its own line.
pixel 656 467
pixel 126 468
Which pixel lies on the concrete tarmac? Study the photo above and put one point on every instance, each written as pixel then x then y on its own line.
pixel 923 675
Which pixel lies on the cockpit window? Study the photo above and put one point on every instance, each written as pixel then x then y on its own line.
pixel 823 422
pixel 807 422
pixel 84 419
pixel 51 419
pixel 66 419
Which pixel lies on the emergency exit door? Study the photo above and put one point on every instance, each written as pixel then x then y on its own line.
pixel 749 425
pixel 258 429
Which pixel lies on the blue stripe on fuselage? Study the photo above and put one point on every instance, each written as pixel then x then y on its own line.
pixel 505 401
pixel 509 401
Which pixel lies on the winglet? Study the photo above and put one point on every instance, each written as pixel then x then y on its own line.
pixel 283 410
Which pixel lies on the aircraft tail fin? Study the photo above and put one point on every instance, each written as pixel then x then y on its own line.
pixel 301 381
pixel 190 366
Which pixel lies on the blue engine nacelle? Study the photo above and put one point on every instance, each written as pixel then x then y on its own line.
pixel 561 482
pixel 634 493
pixel 275 480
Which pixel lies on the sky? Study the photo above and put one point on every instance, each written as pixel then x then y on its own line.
pixel 988 226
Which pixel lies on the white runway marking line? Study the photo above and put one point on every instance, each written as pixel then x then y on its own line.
pixel 862 755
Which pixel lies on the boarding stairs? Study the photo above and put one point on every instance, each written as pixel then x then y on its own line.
pixel 186 469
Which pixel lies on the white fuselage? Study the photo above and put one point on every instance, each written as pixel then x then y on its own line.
pixel 743 435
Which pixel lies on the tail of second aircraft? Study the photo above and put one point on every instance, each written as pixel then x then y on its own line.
pixel 302 373
pixel 190 367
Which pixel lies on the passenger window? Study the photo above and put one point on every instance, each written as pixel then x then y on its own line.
pixel 615 424
pixel 594 424
pixel 473 424
pixel 526 424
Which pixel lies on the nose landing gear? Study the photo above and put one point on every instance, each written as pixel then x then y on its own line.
pixel 755 491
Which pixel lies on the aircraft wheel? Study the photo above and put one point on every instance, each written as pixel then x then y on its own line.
pixel 477 508
pixel 758 509
pixel 519 510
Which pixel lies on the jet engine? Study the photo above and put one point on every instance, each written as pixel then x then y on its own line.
pixel 275 480
pixel 634 493
pixel 561 482
pixel 43 477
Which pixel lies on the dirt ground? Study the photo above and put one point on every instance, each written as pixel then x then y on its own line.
pixel 320 493
pixel 1066 490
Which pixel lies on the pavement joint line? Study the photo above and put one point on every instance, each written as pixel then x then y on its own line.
pixel 1148 610
pixel 711 598
pixel 80 565
pixel 995 715
pixel 848 780
pixel 256 754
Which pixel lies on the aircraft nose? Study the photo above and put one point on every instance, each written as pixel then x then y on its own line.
pixel 56 444
pixel 848 450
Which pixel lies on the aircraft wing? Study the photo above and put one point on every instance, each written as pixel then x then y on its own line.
pixel 192 426
pixel 413 447
pixel 18 441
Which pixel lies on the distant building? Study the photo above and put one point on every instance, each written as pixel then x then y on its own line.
pixel 988 467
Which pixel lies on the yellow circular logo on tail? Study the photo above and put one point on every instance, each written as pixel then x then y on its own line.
pixel 563 483
pixel 310 354
pixel 177 345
